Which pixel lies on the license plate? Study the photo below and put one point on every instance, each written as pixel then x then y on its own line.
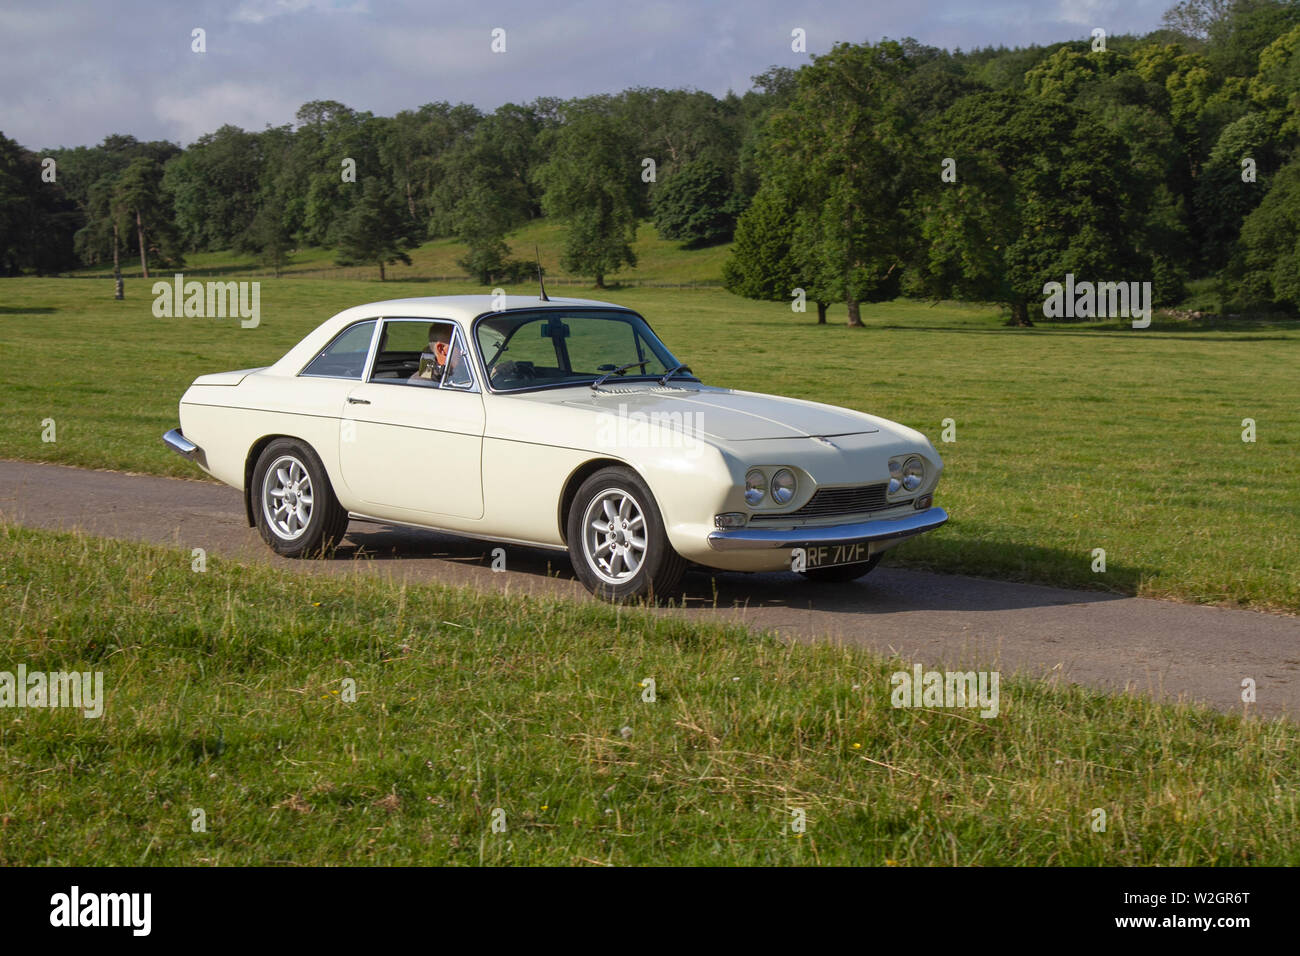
pixel 831 555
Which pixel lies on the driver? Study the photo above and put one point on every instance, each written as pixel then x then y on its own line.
pixel 433 363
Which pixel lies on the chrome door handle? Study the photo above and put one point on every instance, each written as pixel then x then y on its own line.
pixel 357 401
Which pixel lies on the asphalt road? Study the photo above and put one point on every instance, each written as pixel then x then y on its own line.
pixel 1103 640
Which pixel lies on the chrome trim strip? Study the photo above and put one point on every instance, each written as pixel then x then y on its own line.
pixel 880 530
pixel 376 334
pixel 459 338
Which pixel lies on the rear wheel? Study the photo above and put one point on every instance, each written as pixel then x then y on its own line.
pixel 296 511
pixel 840 573
pixel 617 541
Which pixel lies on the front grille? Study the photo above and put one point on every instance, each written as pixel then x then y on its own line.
pixel 833 502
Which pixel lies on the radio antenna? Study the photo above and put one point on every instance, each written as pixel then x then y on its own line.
pixel 541 283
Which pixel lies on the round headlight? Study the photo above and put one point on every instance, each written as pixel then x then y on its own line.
pixel 783 486
pixel 895 476
pixel 913 473
pixel 755 487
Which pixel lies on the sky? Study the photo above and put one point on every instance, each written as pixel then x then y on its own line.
pixel 74 72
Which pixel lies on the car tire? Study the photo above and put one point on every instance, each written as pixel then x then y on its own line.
pixel 619 501
pixel 841 573
pixel 293 503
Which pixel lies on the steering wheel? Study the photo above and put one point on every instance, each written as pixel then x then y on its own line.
pixel 519 370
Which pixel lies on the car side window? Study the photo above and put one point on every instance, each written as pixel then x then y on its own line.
pixel 422 353
pixel 345 357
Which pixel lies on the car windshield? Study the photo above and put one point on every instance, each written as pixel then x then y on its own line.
pixel 552 347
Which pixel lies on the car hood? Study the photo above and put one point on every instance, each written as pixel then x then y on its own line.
pixel 725 415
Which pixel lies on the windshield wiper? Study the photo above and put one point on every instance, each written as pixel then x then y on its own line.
pixel 673 371
pixel 618 371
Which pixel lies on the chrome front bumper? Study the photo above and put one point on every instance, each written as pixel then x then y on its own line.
pixel 881 533
pixel 177 442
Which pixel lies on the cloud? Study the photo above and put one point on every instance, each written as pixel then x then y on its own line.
pixel 251 106
pixel 259 11
pixel 75 72
pixel 1089 13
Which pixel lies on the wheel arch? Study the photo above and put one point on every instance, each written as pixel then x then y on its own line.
pixel 250 463
pixel 574 482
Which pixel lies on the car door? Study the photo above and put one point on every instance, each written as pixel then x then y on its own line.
pixel 410 447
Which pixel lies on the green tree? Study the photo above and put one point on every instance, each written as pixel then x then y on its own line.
pixel 376 230
pixel 1266 267
pixel 138 191
pixel 47 245
pixel 105 226
pixel 483 215
pixel 1275 89
pixel 695 205
pixel 1223 197
pixel 318 197
pixel 762 263
pixel 1238 35
pixel 485 190
pixel 214 187
pixel 268 236
pixel 1063 76
pixel 89 176
pixel 773 89
pixel 16 205
pixel 412 145
pixel 1113 95
pixel 1040 191
pixel 1195 18
pixel 591 183
pixel 846 139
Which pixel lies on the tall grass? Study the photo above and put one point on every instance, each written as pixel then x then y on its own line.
pixel 226 694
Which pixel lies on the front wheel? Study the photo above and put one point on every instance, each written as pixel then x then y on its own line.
pixel 617 541
pixel 297 513
pixel 839 573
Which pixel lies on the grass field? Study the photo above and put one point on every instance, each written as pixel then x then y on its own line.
pixel 1069 438
pixel 224 692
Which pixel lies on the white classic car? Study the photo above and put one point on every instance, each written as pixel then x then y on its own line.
pixel 553 423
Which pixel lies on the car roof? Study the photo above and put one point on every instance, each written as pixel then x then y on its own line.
pixel 465 308
pixel 461 308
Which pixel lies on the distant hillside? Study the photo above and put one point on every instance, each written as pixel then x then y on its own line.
pixel 659 262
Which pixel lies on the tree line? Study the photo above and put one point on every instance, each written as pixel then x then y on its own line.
pixel 876 170
pixel 372 187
